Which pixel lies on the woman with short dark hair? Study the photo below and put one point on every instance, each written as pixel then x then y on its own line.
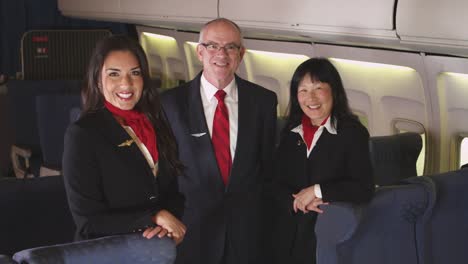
pixel 322 158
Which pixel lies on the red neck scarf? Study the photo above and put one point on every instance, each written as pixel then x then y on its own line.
pixel 140 125
pixel 309 130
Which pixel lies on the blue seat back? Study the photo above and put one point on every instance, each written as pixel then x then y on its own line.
pixel 394 157
pixel 34 212
pixel 22 111
pixel 53 118
pixel 75 113
pixel 446 235
pixel 5 136
pixel 22 105
pixel 123 249
pixel 385 231
pixel 6 260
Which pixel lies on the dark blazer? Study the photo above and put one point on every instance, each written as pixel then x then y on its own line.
pixel 339 163
pixel 111 189
pixel 215 213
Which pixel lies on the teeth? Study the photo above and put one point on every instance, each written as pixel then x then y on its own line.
pixel 125 95
pixel 313 106
pixel 221 64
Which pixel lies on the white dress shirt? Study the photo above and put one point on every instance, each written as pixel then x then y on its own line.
pixel 331 129
pixel 209 101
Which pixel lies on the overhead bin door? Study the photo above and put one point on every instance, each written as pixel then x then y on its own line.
pixel 89 9
pixel 362 18
pixel 434 25
pixel 149 12
pixel 181 10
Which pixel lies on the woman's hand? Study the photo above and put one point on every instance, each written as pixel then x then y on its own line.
pixel 306 201
pixel 168 225
pixel 150 232
pixel 313 206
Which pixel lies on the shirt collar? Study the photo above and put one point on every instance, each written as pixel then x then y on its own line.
pixel 331 129
pixel 209 90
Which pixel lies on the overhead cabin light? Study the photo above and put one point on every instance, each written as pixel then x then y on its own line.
pixel 457 75
pixel 161 45
pixel 191 43
pixel 278 55
pixel 157 36
pixel 371 64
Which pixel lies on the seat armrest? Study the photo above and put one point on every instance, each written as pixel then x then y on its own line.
pixel 336 224
pixel 21 169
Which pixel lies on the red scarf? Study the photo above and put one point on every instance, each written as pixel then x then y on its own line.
pixel 309 130
pixel 140 125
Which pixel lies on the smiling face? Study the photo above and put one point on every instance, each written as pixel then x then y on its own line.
pixel 121 79
pixel 315 99
pixel 220 65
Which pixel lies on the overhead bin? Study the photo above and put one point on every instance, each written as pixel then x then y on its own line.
pixel 418 25
pixel 172 13
pixel 434 25
pixel 336 20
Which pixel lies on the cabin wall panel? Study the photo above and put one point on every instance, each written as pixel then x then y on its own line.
pixel 390 79
pixel 449 85
pixel 272 64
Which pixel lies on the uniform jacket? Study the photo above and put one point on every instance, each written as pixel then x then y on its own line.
pixel 215 213
pixel 339 163
pixel 111 189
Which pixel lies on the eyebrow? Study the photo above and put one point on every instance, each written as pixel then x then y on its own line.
pixel 112 69
pixel 115 69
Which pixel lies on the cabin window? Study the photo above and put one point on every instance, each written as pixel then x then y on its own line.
pixel 193 63
pixel 402 126
pixel 464 151
pixel 165 60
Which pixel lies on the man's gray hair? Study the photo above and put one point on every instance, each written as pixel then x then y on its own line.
pixel 221 19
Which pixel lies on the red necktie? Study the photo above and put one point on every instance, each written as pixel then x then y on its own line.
pixel 220 136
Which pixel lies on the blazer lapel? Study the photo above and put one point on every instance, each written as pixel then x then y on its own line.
pixel 202 146
pixel 129 153
pixel 245 119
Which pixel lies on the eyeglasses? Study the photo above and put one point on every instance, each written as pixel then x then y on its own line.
pixel 213 47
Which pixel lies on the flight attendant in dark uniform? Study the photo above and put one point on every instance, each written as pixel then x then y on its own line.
pixel 322 158
pixel 120 161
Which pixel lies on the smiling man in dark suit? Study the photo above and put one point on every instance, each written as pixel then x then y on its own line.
pixel 225 128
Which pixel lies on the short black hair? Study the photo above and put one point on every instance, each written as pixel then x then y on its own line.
pixel 321 70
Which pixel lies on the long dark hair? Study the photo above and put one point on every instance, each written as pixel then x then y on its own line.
pixel 149 103
pixel 322 70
